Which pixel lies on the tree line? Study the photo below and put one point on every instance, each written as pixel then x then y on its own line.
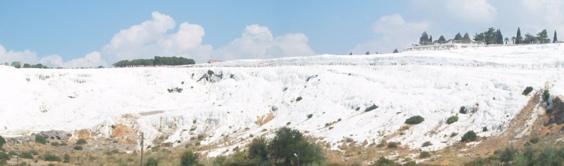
pixel 491 36
pixel 18 64
pixel 156 61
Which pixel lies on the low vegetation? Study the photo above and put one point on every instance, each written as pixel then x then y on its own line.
pixel 469 136
pixel 452 119
pixel 527 90
pixel 528 155
pixel 414 120
pixel 157 61
pixel 40 139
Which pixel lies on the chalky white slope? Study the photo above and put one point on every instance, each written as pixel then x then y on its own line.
pixel 334 90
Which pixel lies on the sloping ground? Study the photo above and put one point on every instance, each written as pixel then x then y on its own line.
pixel 225 105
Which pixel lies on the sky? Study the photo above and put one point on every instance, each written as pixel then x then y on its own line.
pixel 68 33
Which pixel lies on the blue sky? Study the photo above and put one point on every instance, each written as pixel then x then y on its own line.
pixel 60 31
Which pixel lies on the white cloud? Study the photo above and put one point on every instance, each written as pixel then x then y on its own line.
pixel 153 38
pixel 542 14
pixel 463 11
pixel 392 32
pixel 52 61
pixel 92 59
pixel 9 56
pixel 473 11
pixel 258 42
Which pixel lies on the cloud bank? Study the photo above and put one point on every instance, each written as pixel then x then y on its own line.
pixel 160 36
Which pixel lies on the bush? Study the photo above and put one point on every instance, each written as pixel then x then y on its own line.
pixel 77 147
pixel 382 161
pixel 527 90
pixel 152 162
pixel 424 155
pixel 425 144
pixel 4 156
pixel 189 158
pixel 51 157
pixel 26 155
pixel 507 155
pixel 545 96
pixel 81 142
pixel 2 142
pixel 463 110
pixel 309 116
pixel 40 139
pixel 288 145
pixel 66 158
pixel 469 136
pixel 414 120
pixel 372 107
pixel 393 145
pixel 258 150
pixel 452 119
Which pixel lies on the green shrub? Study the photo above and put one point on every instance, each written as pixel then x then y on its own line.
pixel 534 140
pixel 152 162
pixel 527 90
pixel 288 145
pixel 427 143
pixel 4 156
pixel 452 119
pixel 469 136
pixel 51 157
pixel 26 155
pixel 77 147
pixel 372 107
pixel 424 155
pixel 66 158
pixel 2 142
pixel 81 142
pixel 507 155
pixel 414 120
pixel 382 161
pixel 309 116
pixel 258 151
pixel 463 110
pixel 545 95
pixel 392 145
pixel 189 158
pixel 40 139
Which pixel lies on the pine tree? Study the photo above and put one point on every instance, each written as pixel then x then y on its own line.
pixel 555 38
pixel 441 40
pixel 466 38
pixel 518 38
pixel 430 39
pixel 424 39
pixel 542 36
pixel 498 37
pixel 457 38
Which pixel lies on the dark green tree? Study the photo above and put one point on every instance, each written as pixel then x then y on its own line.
pixel 518 37
pixel 2 142
pixel 424 39
pixel 152 162
pixel 466 38
pixel 289 147
pixel 555 38
pixel 189 158
pixel 458 38
pixel 542 36
pixel 258 151
pixel 441 40
pixel 529 39
pixel 498 37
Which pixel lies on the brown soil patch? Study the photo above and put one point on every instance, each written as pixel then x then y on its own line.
pixel 261 120
pixel 124 134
